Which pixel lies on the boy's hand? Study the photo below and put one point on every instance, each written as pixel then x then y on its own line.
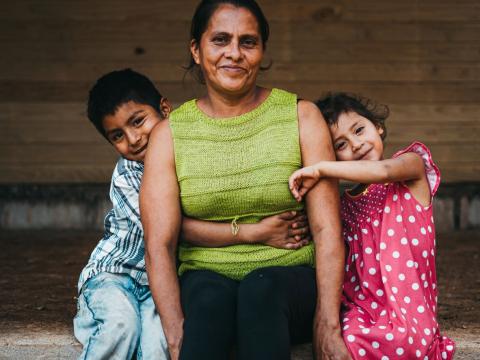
pixel 288 230
pixel 302 180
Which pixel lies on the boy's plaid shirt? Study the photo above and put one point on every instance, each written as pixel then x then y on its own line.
pixel 121 250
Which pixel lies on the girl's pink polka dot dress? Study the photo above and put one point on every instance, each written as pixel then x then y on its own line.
pixel 389 304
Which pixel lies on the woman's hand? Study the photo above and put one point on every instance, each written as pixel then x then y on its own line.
pixel 175 344
pixel 328 344
pixel 288 230
pixel 302 180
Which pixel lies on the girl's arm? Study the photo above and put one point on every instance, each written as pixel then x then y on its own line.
pixel 161 219
pixel 406 167
pixel 322 204
pixel 288 230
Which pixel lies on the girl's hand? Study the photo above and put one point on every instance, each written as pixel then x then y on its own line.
pixel 302 180
pixel 288 230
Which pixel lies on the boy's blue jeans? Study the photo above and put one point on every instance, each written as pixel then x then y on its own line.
pixel 116 319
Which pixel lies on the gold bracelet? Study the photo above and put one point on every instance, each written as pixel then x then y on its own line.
pixel 235 227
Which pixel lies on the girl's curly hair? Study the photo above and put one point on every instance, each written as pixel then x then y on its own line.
pixel 333 104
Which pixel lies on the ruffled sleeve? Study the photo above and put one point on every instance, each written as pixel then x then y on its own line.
pixel 432 171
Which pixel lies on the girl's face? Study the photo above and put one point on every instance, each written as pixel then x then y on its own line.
pixel 230 51
pixel 356 138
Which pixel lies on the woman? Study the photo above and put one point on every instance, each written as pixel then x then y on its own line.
pixel 227 157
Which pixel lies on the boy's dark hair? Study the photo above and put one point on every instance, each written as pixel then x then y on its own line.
pixel 117 88
pixel 333 104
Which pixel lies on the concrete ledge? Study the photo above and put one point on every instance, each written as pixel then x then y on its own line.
pixel 84 206
pixel 55 207
pixel 62 346
pixel 45 345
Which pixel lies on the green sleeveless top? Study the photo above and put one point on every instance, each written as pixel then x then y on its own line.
pixel 238 168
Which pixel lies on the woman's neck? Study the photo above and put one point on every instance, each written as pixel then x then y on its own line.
pixel 221 105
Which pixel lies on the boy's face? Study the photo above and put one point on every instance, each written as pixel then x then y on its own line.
pixel 356 138
pixel 129 128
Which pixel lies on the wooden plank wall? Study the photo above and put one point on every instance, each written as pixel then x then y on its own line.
pixel 419 56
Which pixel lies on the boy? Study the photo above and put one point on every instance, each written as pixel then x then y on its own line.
pixel 116 314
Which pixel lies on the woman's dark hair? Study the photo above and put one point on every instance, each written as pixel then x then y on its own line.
pixel 333 104
pixel 202 16
pixel 116 88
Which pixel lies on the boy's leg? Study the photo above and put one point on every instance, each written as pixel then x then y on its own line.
pixel 209 306
pixel 153 343
pixel 108 320
pixel 276 307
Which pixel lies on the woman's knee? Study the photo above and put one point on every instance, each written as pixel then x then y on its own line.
pixel 209 304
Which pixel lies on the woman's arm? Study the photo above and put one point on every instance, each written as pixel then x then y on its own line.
pixel 288 230
pixel 323 212
pixel 161 219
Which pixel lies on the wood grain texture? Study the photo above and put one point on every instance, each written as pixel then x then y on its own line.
pixel 302 10
pixel 419 56
pixel 161 71
pixel 284 48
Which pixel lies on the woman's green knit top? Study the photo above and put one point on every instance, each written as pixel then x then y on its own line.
pixel 237 169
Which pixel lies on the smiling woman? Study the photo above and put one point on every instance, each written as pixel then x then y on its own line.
pixel 230 53
pixel 226 157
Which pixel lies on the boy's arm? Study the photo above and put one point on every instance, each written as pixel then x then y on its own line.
pixel 287 230
pixel 161 218
pixel 125 194
pixel 324 217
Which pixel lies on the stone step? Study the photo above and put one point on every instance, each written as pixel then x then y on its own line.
pixel 55 345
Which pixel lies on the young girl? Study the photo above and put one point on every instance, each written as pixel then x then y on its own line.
pixel 390 287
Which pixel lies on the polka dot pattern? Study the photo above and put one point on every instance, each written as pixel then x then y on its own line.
pixel 390 294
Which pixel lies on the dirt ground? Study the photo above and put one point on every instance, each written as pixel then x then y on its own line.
pixel 39 272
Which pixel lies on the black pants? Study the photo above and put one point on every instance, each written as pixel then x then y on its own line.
pixel 261 315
